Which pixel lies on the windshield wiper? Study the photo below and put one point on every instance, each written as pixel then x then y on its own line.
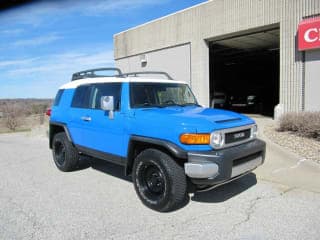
pixel 170 105
pixel 190 104
pixel 149 105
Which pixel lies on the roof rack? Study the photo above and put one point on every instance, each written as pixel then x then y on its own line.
pixel 91 73
pixel 135 74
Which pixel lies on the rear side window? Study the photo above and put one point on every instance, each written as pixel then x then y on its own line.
pixel 58 97
pixel 81 97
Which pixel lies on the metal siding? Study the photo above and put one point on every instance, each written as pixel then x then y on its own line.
pixel 209 20
pixel 312 86
pixel 219 18
pixel 291 61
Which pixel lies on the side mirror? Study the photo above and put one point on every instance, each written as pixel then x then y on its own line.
pixel 107 104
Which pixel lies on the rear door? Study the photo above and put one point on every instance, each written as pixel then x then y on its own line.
pixel 79 114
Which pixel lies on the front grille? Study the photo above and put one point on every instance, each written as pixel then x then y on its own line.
pixel 233 137
pixel 246 164
pixel 243 160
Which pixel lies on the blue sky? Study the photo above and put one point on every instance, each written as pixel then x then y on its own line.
pixel 43 43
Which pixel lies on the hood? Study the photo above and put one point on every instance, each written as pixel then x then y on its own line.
pixel 198 118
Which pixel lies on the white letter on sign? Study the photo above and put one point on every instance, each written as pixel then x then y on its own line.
pixel 307 35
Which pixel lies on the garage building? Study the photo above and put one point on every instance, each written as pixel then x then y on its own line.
pixel 263 49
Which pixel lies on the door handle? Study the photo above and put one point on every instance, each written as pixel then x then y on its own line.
pixel 87 119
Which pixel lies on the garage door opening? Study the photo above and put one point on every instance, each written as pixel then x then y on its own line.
pixel 244 72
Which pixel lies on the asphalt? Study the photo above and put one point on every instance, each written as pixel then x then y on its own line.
pixel 280 200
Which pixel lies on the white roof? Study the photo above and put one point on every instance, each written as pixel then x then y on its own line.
pixel 76 83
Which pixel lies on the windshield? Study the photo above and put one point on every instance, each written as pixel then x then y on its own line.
pixel 160 95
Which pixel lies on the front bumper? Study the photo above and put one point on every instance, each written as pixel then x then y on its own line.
pixel 216 167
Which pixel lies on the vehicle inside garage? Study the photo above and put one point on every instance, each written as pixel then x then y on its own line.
pixel 244 72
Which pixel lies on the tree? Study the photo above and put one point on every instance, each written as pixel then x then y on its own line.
pixel 12 122
pixel 40 110
pixel 11 115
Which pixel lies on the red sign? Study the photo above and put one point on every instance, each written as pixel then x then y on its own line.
pixel 309 34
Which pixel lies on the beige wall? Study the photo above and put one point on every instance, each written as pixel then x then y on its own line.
pixel 218 19
pixel 174 60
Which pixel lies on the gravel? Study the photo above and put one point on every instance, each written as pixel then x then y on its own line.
pixel 305 147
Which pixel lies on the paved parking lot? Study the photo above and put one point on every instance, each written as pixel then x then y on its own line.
pixel 39 202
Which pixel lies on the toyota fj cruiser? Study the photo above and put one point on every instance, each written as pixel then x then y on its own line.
pixel 156 130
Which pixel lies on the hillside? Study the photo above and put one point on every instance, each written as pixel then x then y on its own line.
pixel 22 114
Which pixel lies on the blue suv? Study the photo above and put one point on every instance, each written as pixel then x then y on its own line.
pixel 155 128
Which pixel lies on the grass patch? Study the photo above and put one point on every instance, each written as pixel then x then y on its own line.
pixel 306 124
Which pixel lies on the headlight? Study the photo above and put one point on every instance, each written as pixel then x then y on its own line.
pixel 254 131
pixel 217 139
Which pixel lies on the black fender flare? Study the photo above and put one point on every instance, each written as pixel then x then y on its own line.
pixel 52 126
pixel 173 149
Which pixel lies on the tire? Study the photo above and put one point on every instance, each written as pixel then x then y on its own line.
pixel 66 157
pixel 159 181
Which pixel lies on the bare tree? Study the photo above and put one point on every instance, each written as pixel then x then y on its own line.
pixel 16 113
pixel 12 122
pixel 39 109
pixel 11 115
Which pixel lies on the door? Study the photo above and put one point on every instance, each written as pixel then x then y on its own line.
pixel 93 127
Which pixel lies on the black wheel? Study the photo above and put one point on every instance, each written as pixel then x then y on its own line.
pixel 65 156
pixel 159 181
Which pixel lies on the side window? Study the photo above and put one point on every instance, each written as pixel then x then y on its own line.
pixel 58 97
pixel 81 97
pixel 105 89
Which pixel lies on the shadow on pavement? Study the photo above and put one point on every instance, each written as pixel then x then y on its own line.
pixel 219 194
pixel 118 171
pixel 84 163
pixel 227 191
pixel 110 169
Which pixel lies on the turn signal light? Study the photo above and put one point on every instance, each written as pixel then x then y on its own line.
pixel 196 139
